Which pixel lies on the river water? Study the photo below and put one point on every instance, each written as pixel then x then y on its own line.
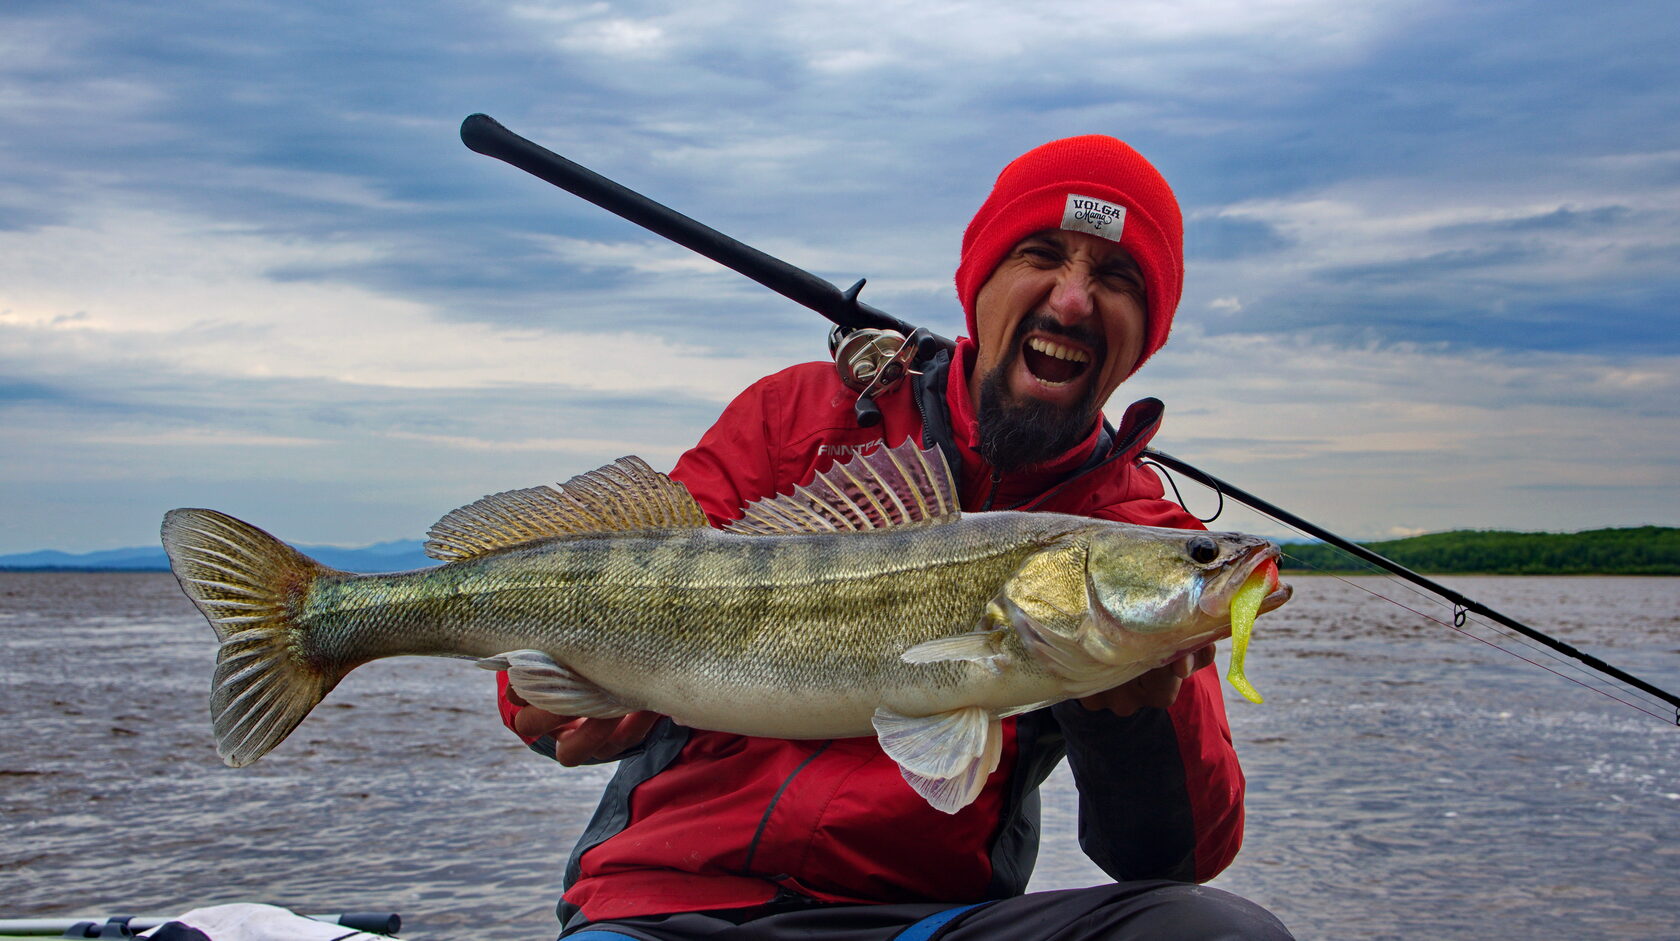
pixel 1405 780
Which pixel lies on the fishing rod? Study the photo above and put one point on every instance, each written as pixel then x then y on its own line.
pixel 485 135
pixel 878 362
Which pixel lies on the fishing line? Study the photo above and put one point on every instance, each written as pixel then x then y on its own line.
pixel 1462 620
pixel 1575 674
pixel 1461 617
pixel 1180 497
pixel 1565 668
pixel 1509 630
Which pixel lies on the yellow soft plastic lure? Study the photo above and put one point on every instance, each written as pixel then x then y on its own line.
pixel 1245 606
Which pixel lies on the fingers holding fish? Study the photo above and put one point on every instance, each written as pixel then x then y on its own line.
pixel 1156 689
pixel 580 741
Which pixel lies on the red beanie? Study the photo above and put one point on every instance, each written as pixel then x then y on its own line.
pixel 1092 184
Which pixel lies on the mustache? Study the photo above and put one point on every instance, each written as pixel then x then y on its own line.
pixel 1044 323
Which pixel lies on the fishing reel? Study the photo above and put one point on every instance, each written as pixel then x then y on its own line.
pixel 871 362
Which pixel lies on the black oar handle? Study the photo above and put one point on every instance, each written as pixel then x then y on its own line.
pixel 127 926
pixel 485 135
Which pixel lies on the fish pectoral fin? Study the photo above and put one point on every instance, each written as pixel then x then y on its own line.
pixel 977 646
pixel 1025 708
pixel 945 757
pixel 553 687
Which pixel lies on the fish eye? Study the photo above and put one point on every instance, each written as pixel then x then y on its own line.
pixel 1202 549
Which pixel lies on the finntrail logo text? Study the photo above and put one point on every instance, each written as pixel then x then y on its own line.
pixel 847 450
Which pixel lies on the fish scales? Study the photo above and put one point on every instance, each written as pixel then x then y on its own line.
pixel 791 612
pixel 864 602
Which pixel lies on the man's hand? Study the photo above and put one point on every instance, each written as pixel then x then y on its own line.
pixel 1157 688
pixel 579 740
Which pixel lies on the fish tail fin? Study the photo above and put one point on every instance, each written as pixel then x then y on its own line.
pixel 249 586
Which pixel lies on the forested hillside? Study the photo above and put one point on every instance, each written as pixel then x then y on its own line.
pixel 1643 550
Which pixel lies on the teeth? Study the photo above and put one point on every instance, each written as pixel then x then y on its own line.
pixel 1057 350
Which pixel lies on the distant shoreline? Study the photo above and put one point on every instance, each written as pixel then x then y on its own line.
pixel 140 570
pixel 1640 550
pixel 399 556
pixel 79 568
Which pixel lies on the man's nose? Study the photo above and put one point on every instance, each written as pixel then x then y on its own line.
pixel 1071 298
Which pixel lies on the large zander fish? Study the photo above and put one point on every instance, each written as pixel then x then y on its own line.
pixel 863 603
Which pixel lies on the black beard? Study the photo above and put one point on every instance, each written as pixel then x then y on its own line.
pixel 1017 434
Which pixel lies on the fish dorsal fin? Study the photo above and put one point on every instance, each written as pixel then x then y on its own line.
pixel 623 497
pixel 887 487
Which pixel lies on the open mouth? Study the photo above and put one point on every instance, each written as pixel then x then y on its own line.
pixel 1052 363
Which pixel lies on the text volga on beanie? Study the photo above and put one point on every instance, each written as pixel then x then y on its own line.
pixel 1093 184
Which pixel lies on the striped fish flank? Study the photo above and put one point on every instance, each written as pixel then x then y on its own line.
pixel 862 603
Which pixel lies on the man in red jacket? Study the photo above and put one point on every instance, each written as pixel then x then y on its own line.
pixel 1069 277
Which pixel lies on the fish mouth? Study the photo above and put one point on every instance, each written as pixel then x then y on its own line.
pixel 1235 571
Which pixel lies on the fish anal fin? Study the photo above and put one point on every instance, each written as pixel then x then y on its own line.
pixel 945 757
pixel 899 486
pixel 624 496
pixel 553 687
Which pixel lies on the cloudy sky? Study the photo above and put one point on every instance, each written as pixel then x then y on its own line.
pixel 246 263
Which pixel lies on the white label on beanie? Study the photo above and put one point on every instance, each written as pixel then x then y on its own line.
pixel 1099 217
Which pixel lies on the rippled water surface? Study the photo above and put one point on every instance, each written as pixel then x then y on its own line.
pixel 1405 781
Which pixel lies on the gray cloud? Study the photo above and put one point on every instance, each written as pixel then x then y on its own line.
pixel 1224 239
pixel 1498 180
pixel 1560 220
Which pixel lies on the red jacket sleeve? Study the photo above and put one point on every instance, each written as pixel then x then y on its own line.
pixel 732 464
pixel 507 708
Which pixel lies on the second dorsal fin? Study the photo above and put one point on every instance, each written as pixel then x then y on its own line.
pixel 624 496
pixel 900 486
